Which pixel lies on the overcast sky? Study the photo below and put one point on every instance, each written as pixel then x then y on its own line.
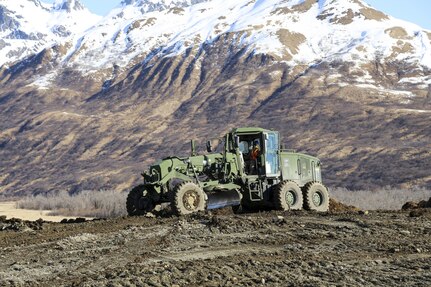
pixel 416 11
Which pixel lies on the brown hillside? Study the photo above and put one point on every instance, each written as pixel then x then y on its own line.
pixel 76 139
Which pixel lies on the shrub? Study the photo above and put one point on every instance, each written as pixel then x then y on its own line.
pixel 87 203
pixel 385 198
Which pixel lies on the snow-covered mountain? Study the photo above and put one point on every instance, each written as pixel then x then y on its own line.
pixel 337 78
pixel 29 26
pixel 296 32
pixel 300 32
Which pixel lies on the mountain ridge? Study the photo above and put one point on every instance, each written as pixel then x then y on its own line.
pixel 353 88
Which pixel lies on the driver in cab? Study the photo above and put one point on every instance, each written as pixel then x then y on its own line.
pixel 255 151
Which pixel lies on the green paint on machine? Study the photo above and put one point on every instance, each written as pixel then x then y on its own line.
pixel 251 172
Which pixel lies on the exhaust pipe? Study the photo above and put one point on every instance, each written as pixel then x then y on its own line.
pixel 223 198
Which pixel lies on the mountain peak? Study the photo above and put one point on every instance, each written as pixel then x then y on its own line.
pixel 345 12
pixel 29 26
pixel 159 5
pixel 68 5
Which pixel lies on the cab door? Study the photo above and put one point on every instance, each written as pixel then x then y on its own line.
pixel 272 147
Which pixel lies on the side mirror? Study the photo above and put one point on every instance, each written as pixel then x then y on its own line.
pixel 209 146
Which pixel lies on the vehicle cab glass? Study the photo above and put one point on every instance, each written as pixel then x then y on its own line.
pixel 271 154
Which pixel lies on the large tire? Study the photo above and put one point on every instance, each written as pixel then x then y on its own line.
pixel 287 196
pixel 188 198
pixel 139 201
pixel 316 197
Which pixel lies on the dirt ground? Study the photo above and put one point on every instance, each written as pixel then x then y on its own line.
pixel 222 249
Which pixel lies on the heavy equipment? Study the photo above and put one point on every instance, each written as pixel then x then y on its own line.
pixel 251 172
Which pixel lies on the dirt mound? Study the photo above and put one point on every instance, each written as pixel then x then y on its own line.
pixel 74 220
pixel 19 224
pixel 335 207
pixel 415 205
pixel 222 211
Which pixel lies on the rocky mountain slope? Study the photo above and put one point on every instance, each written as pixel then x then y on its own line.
pixel 339 79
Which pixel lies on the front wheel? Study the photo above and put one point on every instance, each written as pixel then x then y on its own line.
pixel 139 201
pixel 316 197
pixel 188 198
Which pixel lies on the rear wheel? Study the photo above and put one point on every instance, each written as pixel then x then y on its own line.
pixel 316 197
pixel 139 201
pixel 288 196
pixel 188 198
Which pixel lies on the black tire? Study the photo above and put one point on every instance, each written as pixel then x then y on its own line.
pixel 316 197
pixel 139 201
pixel 287 196
pixel 188 198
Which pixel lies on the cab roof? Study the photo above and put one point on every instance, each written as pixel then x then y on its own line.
pixel 247 130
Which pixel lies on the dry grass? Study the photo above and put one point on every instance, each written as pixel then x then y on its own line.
pixel 105 204
pixel 101 204
pixel 383 199
pixel 4 198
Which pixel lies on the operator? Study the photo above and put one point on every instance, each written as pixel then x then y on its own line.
pixel 255 151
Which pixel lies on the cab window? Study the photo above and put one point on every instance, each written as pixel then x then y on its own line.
pixel 243 147
pixel 271 153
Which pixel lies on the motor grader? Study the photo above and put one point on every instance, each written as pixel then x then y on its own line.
pixel 274 179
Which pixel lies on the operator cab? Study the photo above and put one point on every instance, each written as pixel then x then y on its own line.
pixel 259 150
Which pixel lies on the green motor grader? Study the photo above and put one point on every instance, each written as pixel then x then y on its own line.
pixel 275 179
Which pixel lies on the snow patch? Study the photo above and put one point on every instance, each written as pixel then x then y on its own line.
pixel 425 81
pixel 45 81
pixel 414 111
pixel 383 90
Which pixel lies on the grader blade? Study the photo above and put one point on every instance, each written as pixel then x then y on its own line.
pixel 223 198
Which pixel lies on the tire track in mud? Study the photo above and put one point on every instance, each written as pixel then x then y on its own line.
pixel 219 250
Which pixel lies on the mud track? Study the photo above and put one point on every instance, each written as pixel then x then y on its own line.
pixel 268 249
